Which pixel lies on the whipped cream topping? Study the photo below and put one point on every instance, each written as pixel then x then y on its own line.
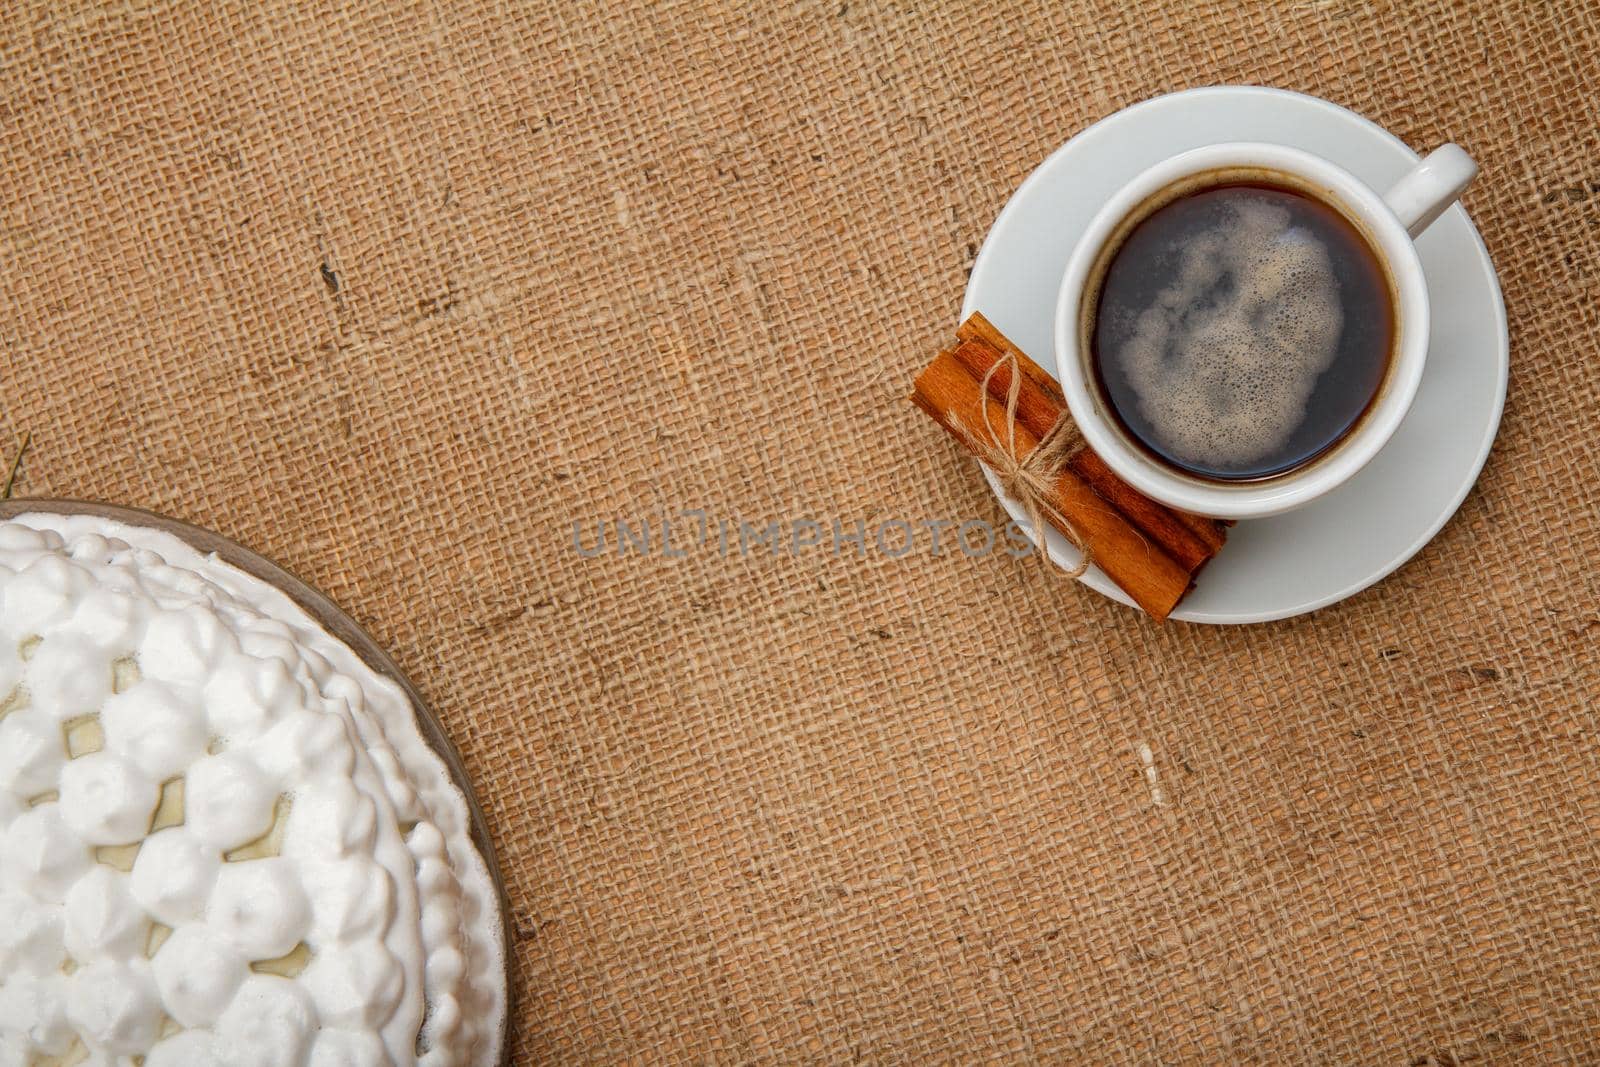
pixel 223 838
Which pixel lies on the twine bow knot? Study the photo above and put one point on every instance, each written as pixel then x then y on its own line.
pixel 1032 480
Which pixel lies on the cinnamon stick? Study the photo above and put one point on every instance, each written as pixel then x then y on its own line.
pixel 1214 532
pixel 948 392
pixel 977 328
pixel 1038 411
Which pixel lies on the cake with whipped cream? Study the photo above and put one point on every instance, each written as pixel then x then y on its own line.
pixel 223 838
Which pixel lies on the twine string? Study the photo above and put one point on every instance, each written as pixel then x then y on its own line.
pixel 1032 480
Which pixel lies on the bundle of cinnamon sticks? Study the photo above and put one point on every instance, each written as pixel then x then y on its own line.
pixel 1153 552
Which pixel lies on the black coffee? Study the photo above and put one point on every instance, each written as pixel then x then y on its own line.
pixel 1241 330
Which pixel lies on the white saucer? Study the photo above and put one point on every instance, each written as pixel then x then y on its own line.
pixel 1288 564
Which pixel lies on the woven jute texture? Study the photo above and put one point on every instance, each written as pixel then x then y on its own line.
pixel 397 293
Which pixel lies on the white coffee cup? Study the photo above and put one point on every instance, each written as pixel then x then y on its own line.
pixel 1389 222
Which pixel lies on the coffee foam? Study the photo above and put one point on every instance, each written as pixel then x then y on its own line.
pixel 1225 358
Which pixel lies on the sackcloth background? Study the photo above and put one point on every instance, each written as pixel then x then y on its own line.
pixel 397 292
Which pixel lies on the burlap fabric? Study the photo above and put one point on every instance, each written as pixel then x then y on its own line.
pixel 396 293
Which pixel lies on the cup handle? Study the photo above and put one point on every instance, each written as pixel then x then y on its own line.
pixel 1431 187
